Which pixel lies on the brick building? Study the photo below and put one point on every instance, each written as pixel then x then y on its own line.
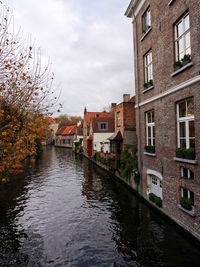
pixel 167 70
pixel 125 127
pixel 65 136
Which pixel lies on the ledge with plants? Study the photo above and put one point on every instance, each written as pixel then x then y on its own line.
pixel 150 149
pixel 185 153
pixel 183 62
pixel 148 85
pixel 186 203
pixel 155 199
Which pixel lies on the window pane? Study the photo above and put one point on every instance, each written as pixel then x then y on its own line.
pixel 192 142
pixel 149 132
pixel 179 29
pixel 185 193
pixel 187 22
pixel 183 143
pixel 190 107
pixel 182 109
pixel 187 40
pixel 192 197
pixel 185 172
pixel 149 117
pixel 153 131
pixel 152 116
pixel 181 48
pixel 182 129
pixel 191 129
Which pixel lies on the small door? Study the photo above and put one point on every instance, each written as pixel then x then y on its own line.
pixel 156 186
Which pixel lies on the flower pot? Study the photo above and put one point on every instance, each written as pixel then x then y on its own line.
pixel 185 62
pixel 186 206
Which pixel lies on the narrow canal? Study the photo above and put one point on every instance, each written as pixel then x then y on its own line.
pixel 67 212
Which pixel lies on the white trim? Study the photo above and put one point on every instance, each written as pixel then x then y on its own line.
pixel 170 91
pixel 155 173
pixel 134 6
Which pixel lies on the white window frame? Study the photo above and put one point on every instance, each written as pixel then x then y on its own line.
pixel 188 173
pixel 146 20
pixel 188 193
pixel 182 36
pixel 186 120
pixel 150 125
pixel 148 67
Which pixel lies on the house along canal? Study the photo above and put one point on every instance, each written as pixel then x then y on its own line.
pixel 67 212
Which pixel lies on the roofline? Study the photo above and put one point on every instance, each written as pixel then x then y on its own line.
pixel 134 7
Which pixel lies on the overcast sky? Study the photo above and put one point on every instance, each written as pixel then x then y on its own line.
pixel 90 45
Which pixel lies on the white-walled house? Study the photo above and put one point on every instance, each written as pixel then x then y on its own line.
pixel 100 130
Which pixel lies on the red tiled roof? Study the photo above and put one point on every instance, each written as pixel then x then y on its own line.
pixel 90 115
pixel 96 121
pixel 51 120
pixel 69 130
pixel 60 130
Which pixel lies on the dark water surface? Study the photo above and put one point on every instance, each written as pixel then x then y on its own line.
pixel 67 212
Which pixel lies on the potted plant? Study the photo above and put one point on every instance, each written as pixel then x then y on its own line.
pixel 186 203
pixel 150 82
pixel 177 65
pixel 180 153
pixel 190 153
pixel 152 197
pixel 146 85
pixel 186 59
pixel 150 149
pixel 158 201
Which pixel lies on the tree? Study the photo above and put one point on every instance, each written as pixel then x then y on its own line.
pixel 26 97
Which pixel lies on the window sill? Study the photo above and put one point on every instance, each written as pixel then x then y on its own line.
pixel 150 154
pixel 145 34
pixel 147 89
pixel 170 2
pixel 190 212
pixel 181 69
pixel 190 161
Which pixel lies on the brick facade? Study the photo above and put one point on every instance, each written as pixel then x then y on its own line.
pixel 168 88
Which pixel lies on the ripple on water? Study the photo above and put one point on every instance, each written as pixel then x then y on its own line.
pixel 66 212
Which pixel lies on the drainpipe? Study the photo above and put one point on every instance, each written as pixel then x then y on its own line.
pixel 138 102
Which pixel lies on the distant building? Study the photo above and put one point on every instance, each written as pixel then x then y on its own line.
pixel 65 136
pixel 100 130
pixel 87 142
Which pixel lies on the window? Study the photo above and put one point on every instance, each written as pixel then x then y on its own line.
pixel 154 180
pixel 148 69
pixel 118 118
pixel 146 20
pixel 150 128
pixel 182 38
pixel 63 141
pixel 103 126
pixel 185 124
pixel 187 173
pixel 187 194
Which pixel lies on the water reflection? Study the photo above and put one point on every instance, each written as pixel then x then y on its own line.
pixel 67 212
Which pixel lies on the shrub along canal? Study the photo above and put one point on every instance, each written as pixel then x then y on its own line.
pixel 68 212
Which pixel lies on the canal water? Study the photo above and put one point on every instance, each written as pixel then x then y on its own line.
pixel 67 212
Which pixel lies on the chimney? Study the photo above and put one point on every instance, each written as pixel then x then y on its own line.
pixel 126 97
pixel 113 105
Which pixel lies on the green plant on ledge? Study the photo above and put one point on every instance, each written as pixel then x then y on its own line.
pixel 186 153
pixel 150 149
pixel 186 59
pixel 157 200
pixel 177 64
pixel 186 203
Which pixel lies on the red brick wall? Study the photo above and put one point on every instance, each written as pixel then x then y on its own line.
pixel 160 41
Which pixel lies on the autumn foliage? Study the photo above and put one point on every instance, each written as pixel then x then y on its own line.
pixel 26 99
